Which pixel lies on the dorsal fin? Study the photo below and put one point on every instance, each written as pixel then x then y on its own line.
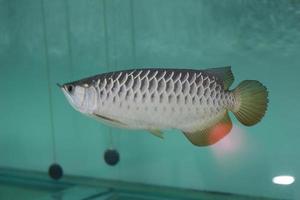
pixel 223 74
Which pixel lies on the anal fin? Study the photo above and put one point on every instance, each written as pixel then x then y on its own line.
pixel 212 134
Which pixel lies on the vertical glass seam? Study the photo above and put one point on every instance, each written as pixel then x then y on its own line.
pixel 111 143
pixel 52 129
pixel 69 42
pixel 133 43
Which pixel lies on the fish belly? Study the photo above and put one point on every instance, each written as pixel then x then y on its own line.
pixel 160 116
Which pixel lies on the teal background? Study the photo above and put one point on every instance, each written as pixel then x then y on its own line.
pixel 45 42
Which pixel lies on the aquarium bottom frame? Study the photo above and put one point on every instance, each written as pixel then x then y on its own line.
pixel 86 188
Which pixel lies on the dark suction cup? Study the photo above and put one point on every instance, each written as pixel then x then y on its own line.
pixel 111 157
pixel 55 171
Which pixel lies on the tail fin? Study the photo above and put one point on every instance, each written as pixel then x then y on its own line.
pixel 251 102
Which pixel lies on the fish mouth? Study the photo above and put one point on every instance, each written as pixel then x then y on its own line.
pixel 59 85
pixel 67 95
pixel 63 89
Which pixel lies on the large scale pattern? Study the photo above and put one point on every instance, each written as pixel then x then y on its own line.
pixel 175 88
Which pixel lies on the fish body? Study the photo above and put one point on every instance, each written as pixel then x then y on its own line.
pixel 194 101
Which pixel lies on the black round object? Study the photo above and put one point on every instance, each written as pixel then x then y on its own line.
pixel 111 157
pixel 55 171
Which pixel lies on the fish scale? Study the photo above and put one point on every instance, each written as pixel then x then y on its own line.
pixel 194 101
pixel 151 90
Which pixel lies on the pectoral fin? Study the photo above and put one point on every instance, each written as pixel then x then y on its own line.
pixel 157 133
pixel 108 119
pixel 212 134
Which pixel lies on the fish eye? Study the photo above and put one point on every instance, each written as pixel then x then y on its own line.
pixel 70 88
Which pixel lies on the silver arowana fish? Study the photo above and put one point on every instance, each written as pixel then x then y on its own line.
pixel 194 101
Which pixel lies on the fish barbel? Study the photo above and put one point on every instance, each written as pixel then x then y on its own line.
pixel 194 101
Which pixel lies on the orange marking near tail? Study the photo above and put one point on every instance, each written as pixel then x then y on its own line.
pixel 218 132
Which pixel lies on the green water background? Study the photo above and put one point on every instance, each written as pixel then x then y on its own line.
pixel 43 42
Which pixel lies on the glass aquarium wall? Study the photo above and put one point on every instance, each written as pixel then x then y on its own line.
pixel 45 42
